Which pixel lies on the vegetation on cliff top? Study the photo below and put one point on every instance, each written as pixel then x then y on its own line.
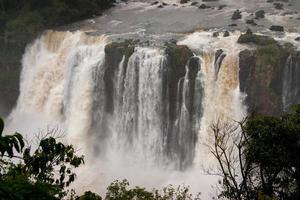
pixel 249 37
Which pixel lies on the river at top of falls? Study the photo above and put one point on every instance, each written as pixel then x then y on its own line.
pixel 139 18
pixel 123 116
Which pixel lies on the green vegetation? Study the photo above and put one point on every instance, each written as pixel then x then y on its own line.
pixel 39 174
pixel 261 161
pixel 249 37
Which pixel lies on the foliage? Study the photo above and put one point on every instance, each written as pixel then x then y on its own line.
pixel 10 143
pixel 121 191
pixel 89 196
pixel 42 174
pixel 258 158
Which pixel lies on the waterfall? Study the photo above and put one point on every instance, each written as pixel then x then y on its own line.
pixel 57 80
pixel 290 81
pixel 121 105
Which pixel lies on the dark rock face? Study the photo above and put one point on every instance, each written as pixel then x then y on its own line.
pixel 10 70
pixel 114 53
pixel 189 111
pixel 178 57
pixel 269 76
pixel 219 57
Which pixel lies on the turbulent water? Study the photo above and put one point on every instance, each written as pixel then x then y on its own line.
pixel 135 115
pixel 121 118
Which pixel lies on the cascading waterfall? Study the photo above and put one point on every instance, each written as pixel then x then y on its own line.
pixel 290 91
pixel 118 110
pixel 57 80
pixel 222 99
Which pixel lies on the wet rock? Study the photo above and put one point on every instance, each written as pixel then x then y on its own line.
pixel 226 34
pixel 221 7
pixel 219 57
pixel 270 1
pixel 277 28
pixel 278 6
pixel 177 56
pixel 154 3
pixel 250 38
pixel 261 78
pixel 164 4
pixel 184 1
pixel 193 66
pixel 216 34
pixel 204 6
pixel 260 14
pixel 232 25
pixel 236 15
pixel 114 53
pixel 251 22
pixel 194 3
pixel 297 39
pixel 160 6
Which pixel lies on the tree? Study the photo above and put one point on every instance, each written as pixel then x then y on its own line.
pixel 258 158
pixel 40 174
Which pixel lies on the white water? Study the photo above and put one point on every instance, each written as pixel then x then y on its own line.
pixel 62 85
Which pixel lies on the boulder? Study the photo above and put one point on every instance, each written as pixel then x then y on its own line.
pixel 183 1
pixel 277 28
pixel 226 34
pixel 215 34
pixel 221 7
pixel 251 22
pixel 236 15
pixel 260 14
pixel 278 6
pixel 204 6
pixel 154 3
